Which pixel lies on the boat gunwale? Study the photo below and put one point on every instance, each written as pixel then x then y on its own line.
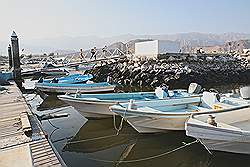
pixel 72 86
pixel 97 100
pixel 134 111
pixel 214 128
pixel 220 111
pixel 148 114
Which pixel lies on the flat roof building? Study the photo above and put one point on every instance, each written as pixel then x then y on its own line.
pixel 151 49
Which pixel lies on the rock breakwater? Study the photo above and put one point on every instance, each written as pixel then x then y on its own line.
pixel 177 71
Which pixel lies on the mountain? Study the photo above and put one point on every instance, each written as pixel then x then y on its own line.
pixel 236 46
pixel 187 40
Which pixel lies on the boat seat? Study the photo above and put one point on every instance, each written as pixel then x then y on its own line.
pixel 90 99
pixel 152 110
pixel 218 106
pixel 148 109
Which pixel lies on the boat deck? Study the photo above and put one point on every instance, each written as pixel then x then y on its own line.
pixel 22 140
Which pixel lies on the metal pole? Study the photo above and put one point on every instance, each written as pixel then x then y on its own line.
pixel 10 57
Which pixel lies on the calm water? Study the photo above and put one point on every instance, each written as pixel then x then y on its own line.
pixel 83 142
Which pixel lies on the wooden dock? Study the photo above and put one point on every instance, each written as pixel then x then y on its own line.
pixel 22 140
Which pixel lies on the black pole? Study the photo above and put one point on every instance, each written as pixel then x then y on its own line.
pixel 10 57
pixel 16 59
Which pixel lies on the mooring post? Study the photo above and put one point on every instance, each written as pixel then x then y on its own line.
pixel 16 59
pixel 10 57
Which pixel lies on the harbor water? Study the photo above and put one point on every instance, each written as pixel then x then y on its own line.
pixel 95 142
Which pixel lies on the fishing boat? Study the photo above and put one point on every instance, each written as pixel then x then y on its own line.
pixel 63 88
pixel 53 72
pixel 46 70
pixel 226 130
pixel 75 83
pixel 164 115
pixel 5 76
pixel 70 79
pixel 97 105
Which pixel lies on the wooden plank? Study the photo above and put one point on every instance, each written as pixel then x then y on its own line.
pixel 17 149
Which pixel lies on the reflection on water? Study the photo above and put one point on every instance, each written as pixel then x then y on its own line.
pixel 83 142
pixel 51 102
pixel 97 135
pixel 131 147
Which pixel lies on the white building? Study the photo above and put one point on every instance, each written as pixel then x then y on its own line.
pixel 152 49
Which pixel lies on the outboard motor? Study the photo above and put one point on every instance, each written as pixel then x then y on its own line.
pixel 209 99
pixel 160 93
pixel 245 92
pixel 194 88
pixel 110 79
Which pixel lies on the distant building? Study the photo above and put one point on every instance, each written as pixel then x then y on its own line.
pixel 151 49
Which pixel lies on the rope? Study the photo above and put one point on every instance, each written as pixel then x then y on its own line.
pixel 121 123
pixel 205 146
pixel 92 139
pixel 147 158
pixel 120 126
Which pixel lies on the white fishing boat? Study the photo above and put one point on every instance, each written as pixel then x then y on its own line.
pixel 226 130
pixel 63 88
pixel 97 105
pixel 164 115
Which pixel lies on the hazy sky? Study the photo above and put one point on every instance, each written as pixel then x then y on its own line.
pixel 53 18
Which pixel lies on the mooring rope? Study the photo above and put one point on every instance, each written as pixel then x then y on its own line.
pixel 146 158
pixel 92 139
pixel 120 126
pixel 205 147
pixel 121 123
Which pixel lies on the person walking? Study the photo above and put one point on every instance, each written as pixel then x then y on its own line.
pixel 104 50
pixel 93 53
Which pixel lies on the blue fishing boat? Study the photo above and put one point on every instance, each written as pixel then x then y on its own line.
pixel 5 76
pixel 97 105
pixel 70 79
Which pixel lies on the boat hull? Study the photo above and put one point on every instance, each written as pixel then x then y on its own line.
pixel 225 136
pixel 227 146
pixel 75 89
pixel 90 109
pixel 157 116
pixel 151 124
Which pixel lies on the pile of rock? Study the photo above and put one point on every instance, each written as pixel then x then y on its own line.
pixel 176 72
